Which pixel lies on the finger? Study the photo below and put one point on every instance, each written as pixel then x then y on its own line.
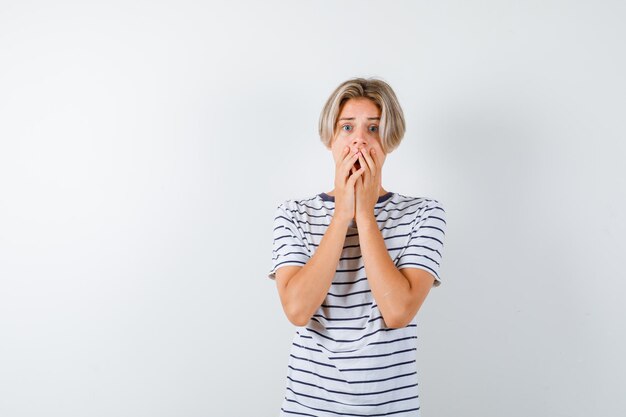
pixel 358 182
pixel 347 158
pixel 345 154
pixel 370 162
pixel 348 163
pixel 377 159
pixel 366 168
pixel 356 175
pixel 343 166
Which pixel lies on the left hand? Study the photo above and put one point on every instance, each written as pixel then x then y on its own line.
pixel 367 185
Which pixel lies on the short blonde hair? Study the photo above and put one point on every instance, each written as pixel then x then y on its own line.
pixel 392 126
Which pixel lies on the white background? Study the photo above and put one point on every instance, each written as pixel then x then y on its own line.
pixel 144 147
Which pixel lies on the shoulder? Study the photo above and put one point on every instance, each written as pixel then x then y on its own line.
pixel 422 202
pixel 420 207
pixel 299 207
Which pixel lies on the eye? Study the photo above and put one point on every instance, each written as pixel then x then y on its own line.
pixel 373 128
pixel 344 128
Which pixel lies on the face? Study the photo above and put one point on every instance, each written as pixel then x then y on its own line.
pixel 357 128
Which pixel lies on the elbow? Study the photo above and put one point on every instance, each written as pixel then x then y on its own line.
pixel 297 313
pixel 398 319
pixel 297 317
pixel 298 320
pixel 395 323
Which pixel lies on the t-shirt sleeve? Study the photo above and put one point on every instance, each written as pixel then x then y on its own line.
pixel 289 247
pixel 425 245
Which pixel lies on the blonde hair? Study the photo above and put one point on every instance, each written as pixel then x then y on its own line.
pixel 392 126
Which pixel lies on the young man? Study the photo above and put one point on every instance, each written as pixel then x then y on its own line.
pixel 354 265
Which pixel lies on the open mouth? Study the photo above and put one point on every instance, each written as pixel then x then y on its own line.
pixel 357 165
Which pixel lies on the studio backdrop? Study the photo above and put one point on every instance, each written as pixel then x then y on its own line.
pixel 145 146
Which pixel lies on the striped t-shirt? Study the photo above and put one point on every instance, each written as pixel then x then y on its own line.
pixel 345 361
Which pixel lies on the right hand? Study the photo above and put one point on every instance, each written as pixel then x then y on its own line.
pixel 345 180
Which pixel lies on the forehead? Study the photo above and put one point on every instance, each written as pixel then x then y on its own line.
pixel 358 106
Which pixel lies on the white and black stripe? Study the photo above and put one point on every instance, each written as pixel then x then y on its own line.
pixel 345 361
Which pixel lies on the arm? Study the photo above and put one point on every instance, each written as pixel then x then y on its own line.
pixel 302 289
pixel 398 293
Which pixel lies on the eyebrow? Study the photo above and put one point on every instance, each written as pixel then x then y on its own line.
pixel 352 118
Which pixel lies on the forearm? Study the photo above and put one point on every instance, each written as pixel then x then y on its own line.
pixel 390 288
pixel 308 288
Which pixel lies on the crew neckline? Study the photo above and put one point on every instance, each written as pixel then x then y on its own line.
pixel 381 198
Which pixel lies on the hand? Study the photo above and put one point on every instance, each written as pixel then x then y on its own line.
pixel 345 206
pixel 368 185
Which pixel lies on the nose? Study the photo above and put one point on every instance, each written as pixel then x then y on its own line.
pixel 359 143
pixel 359 140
